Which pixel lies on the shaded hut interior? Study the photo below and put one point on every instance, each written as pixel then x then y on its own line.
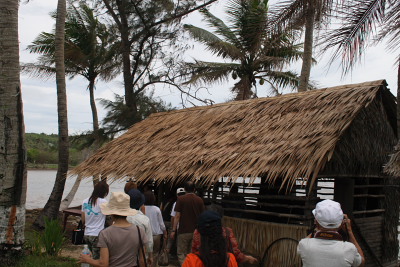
pixel 268 161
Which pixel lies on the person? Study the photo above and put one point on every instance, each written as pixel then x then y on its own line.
pixel 132 185
pixel 157 225
pixel 213 250
pixel 179 192
pixel 92 217
pixel 119 243
pixel 325 247
pixel 141 220
pixel 232 244
pixel 188 208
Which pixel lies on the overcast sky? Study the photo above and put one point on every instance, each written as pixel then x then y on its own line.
pixel 40 102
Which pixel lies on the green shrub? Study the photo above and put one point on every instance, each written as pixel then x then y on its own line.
pixel 52 238
pixel 35 244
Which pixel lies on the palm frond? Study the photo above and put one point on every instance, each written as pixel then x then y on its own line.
pixel 249 19
pixel 40 71
pixel 214 43
pixel 360 18
pixel 284 79
pixel 391 27
pixel 210 72
pixel 287 14
pixel 43 44
pixel 220 28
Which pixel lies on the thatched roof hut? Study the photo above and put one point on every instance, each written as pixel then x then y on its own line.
pixel 288 136
pixel 341 134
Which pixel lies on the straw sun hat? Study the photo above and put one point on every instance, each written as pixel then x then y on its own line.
pixel 118 205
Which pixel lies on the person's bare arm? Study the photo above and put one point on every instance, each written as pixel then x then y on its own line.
pixel 175 225
pixel 83 218
pixel 352 239
pixel 102 262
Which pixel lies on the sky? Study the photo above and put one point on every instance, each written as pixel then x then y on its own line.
pixel 40 101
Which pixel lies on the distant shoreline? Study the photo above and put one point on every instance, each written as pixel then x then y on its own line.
pixel 44 167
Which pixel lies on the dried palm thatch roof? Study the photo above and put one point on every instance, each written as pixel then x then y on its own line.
pixel 288 137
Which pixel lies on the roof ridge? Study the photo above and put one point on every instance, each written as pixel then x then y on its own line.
pixel 295 94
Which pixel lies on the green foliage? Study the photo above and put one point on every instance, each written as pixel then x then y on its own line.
pixel 250 50
pixel 49 242
pixel 119 117
pixel 52 238
pixel 42 150
pixel 35 244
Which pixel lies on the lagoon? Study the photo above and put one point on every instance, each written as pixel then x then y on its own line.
pixel 41 182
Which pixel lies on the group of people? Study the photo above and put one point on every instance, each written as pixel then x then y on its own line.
pixel 134 237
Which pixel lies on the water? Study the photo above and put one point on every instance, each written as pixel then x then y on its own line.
pixel 41 182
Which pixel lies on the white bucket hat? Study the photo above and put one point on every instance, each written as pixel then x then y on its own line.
pixel 118 205
pixel 328 214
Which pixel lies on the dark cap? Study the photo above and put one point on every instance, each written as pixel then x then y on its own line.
pixel 207 220
pixel 137 199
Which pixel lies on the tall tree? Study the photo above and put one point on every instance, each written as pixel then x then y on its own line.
pixel 145 28
pixel 51 208
pixel 90 51
pixel 12 146
pixel 254 52
pixel 310 14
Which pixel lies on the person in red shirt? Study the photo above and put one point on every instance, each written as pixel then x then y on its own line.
pixel 213 248
pixel 232 245
pixel 188 208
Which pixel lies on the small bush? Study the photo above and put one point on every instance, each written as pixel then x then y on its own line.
pixel 35 244
pixel 52 238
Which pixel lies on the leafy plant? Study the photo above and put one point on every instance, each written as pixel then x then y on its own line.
pixel 35 244
pixel 52 238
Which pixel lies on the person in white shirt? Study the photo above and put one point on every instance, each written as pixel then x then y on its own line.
pixel 141 220
pixel 325 247
pixel 179 192
pixel 93 218
pixel 157 224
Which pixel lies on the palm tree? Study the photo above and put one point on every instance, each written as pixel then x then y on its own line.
pixel 51 208
pixel 310 14
pixel 254 52
pixel 90 51
pixel 12 143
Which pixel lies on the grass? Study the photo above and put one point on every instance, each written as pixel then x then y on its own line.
pixel 46 261
pixel 34 259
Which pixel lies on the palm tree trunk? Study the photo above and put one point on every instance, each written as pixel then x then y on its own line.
pixel 68 199
pixel 308 50
pixel 52 206
pixel 12 143
pixel 93 107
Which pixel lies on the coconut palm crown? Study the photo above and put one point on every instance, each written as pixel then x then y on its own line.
pixel 90 51
pixel 255 53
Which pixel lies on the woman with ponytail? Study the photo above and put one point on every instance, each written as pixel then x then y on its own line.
pixel 213 249
pixel 93 218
